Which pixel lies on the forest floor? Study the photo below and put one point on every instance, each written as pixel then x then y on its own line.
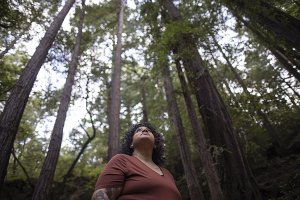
pixel 279 179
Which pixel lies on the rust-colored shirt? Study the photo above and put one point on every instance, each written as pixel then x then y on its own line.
pixel 138 181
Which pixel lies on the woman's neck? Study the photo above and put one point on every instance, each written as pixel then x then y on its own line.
pixel 143 155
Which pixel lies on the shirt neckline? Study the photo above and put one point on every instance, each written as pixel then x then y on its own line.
pixel 161 169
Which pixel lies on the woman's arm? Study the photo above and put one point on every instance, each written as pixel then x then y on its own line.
pixel 106 193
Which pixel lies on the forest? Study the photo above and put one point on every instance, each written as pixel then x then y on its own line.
pixel 220 79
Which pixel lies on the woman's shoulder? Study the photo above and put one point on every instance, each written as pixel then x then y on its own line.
pixel 123 157
pixel 119 160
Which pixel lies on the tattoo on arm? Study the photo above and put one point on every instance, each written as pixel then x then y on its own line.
pixel 106 193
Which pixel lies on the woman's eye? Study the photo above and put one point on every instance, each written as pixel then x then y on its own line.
pixel 138 130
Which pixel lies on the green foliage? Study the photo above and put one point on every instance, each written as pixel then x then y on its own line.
pixel 10 16
pixel 100 18
pixel 11 67
pixel 148 36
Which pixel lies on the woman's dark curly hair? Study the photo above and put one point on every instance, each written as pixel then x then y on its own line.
pixel 158 156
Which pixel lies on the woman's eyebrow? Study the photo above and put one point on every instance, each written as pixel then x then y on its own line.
pixel 138 129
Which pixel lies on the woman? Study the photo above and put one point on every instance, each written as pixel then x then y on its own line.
pixel 136 174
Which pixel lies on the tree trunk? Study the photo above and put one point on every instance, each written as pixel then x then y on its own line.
pixel 144 103
pixel 236 178
pixel 28 179
pixel 206 158
pixel 189 169
pixel 84 146
pixel 281 25
pixel 44 183
pixel 285 63
pixel 278 52
pixel 265 120
pixel 236 103
pixel 290 87
pixel 15 105
pixel 115 96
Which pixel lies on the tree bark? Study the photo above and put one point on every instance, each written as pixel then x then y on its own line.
pixel 115 96
pixel 195 190
pixel 282 25
pixel 290 87
pixel 44 183
pixel 144 103
pixel 206 158
pixel 265 120
pixel 282 56
pixel 236 178
pixel 285 63
pixel 28 179
pixel 15 105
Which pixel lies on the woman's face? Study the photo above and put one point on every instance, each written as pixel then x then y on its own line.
pixel 143 135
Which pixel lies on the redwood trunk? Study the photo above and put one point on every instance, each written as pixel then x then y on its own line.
pixel 144 104
pixel 236 178
pixel 115 96
pixel 279 53
pixel 44 183
pixel 285 63
pixel 206 158
pixel 265 120
pixel 189 169
pixel 282 25
pixel 15 105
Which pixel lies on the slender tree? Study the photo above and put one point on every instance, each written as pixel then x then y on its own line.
pixel 236 178
pixel 44 183
pixel 86 143
pixel 265 119
pixel 115 96
pixel 144 100
pixel 194 187
pixel 205 156
pixel 28 179
pixel 279 24
pixel 287 60
pixel 15 105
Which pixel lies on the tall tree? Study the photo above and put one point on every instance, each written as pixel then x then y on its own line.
pixel 287 60
pixel 194 187
pixel 281 28
pixel 86 143
pixel 44 183
pixel 144 100
pixel 115 96
pixel 15 105
pixel 272 19
pixel 206 158
pixel 236 178
pixel 265 119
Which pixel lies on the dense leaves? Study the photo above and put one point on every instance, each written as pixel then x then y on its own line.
pixel 239 51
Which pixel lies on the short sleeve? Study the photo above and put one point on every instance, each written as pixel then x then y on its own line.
pixel 113 174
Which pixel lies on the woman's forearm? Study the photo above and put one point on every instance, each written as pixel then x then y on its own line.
pixel 106 194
